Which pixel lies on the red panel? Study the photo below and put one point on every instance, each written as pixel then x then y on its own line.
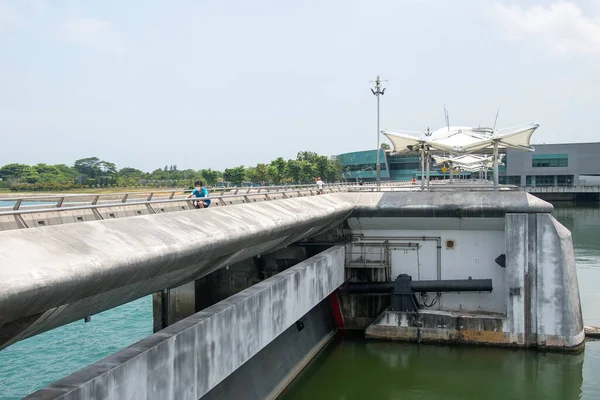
pixel 337 310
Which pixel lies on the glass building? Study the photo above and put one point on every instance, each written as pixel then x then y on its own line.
pixel 565 164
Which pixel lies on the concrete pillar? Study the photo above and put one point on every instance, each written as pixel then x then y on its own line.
pixel 541 280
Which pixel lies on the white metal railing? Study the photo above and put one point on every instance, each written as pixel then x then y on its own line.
pixel 216 200
pixel 562 189
pixel 67 200
pixel 148 200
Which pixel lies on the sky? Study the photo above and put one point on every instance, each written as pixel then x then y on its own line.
pixel 216 84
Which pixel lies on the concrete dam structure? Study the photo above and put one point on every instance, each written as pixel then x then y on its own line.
pixel 245 295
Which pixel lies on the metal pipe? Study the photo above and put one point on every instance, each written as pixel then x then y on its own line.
pixel 496 165
pixel 428 168
pixel 453 285
pixel 422 167
pixel 449 285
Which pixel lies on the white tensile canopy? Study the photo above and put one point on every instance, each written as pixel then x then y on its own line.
pixel 462 140
pixel 471 161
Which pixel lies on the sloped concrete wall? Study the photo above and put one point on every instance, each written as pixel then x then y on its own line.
pixel 270 371
pixel 188 359
pixel 55 275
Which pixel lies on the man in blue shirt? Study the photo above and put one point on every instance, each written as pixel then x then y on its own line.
pixel 200 191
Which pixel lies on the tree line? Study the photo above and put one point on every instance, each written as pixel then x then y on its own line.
pixel 92 172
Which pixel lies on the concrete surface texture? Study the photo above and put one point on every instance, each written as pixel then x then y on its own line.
pixel 445 204
pixel 270 371
pixel 57 274
pixel 191 357
pixel 54 275
pixel 535 301
pixel 542 292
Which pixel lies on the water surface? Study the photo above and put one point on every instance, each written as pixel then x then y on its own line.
pixel 354 368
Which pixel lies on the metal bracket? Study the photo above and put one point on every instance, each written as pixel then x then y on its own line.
pixel 403 298
pixel 501 260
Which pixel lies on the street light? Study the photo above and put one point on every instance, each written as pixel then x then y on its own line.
pixel 378 91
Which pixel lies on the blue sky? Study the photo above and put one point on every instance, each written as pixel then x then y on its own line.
pixel 223 83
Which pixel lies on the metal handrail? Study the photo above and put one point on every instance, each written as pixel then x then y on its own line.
pixel 60 199
pixel 159 201
pixel 62 206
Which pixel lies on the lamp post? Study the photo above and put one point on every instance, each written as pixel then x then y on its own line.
pixel 378 91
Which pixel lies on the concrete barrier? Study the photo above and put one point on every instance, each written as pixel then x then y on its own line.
pixel 188 359
pixel 58 274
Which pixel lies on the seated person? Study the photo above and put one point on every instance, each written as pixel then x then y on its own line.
pixel 200 191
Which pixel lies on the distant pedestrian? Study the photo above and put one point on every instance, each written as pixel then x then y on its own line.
pixel 200 191
pixel 360 182
pixel 414 180
pixel 320 185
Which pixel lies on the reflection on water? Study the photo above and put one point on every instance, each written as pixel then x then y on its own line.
pixel 353 368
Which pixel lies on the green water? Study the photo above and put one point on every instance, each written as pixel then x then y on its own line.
pixel 359 369
pixel 356 369
pixel 353 368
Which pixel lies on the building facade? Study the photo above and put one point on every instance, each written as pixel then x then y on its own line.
pixel 565 164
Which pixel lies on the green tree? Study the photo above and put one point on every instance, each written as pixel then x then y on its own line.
pixel 130 172
pixel 234 175
pixel 261 173
pixel 320 166
pixel 88 167
pixel 276 170
pixel 250 174
pixel 308 171
pixel 385 146
pixel 294 171
pixel 210 176
pixel 16 172
pixel 309 156
pixel 107 168
pixel 334 170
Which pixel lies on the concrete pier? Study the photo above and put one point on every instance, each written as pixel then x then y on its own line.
pixel 457 235
pixel 193 259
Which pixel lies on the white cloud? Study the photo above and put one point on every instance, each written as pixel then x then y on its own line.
pixel 561 27
pixel 92 32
